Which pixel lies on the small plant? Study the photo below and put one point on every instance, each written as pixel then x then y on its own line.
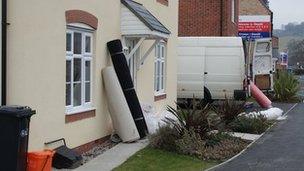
pixel 197 118
pixel 190 143
pixel 286 87
pixel 164 139
pixel 224 150
pixel 229 110
pixel 215 139
pixel 252 125
pixel 298 71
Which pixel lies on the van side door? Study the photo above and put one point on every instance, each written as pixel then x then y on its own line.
pixel 262 68
pixel 190 69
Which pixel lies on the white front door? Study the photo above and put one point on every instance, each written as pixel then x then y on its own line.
pixel 130 43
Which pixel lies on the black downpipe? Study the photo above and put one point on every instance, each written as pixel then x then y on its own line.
pixel 4 52
pixel 271 24
pixel 221 20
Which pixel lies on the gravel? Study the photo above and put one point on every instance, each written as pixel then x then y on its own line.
pixel 96 151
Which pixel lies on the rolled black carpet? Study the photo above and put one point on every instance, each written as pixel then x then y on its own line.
pixel 114 46
pixel 136 111
pixel 133 102
pixel 123 73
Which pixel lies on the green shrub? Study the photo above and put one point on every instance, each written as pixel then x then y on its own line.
pixel 228 110
pixel 216 139
pixel 218 146
pixel 190 143
pixel 190 134
pixel 286 87
pixel 164 139
pixel 252 125
pixel 298 71
pixel 197 118
pixel 224 148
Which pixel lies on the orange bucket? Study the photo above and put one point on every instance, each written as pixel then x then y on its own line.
pixel 40 161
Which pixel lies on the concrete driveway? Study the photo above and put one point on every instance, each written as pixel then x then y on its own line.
pixel 280 149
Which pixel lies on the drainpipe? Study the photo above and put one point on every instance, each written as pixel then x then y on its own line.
pixel 221 18
pixel 271 23
pixel 4 52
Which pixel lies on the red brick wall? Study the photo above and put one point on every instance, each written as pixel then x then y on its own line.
pixel 253 7
pixel 203 18
pixel 90 145
pixel 230 28
pixel 78 16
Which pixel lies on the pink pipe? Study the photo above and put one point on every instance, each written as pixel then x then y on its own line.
pixel 259 96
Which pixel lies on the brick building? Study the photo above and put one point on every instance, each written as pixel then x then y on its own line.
pixel 255 8
pixel 208 17
pixel 260 8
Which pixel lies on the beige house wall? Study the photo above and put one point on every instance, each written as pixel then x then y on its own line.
pixel 36 65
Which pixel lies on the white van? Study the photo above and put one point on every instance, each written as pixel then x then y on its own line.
pixel 210 67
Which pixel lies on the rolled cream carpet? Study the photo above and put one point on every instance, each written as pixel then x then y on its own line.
pixel 122 119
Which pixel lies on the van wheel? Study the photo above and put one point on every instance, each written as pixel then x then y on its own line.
pixel 207 97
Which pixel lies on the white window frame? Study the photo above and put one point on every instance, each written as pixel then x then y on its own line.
pixel 160 62
pixel 132 61
pixel 84 56
pixel 233 12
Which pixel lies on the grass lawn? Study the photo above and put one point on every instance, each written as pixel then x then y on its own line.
pixel 150 159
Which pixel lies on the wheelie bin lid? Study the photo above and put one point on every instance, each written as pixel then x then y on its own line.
pixel 16 111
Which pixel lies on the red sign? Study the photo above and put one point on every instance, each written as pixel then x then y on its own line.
pixel 254 26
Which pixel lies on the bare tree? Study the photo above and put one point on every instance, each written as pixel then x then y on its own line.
pixel 296 52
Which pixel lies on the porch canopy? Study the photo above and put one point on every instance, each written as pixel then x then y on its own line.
pixel 138 22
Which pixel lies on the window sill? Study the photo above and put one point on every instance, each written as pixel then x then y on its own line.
pixel 80 115
pixel 80 109
pixel 160 97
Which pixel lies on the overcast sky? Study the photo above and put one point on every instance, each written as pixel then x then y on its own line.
pixel 286 11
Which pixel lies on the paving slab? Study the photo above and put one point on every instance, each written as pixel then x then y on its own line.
pixel 113 157
pixel 245 136
pixel 280 149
